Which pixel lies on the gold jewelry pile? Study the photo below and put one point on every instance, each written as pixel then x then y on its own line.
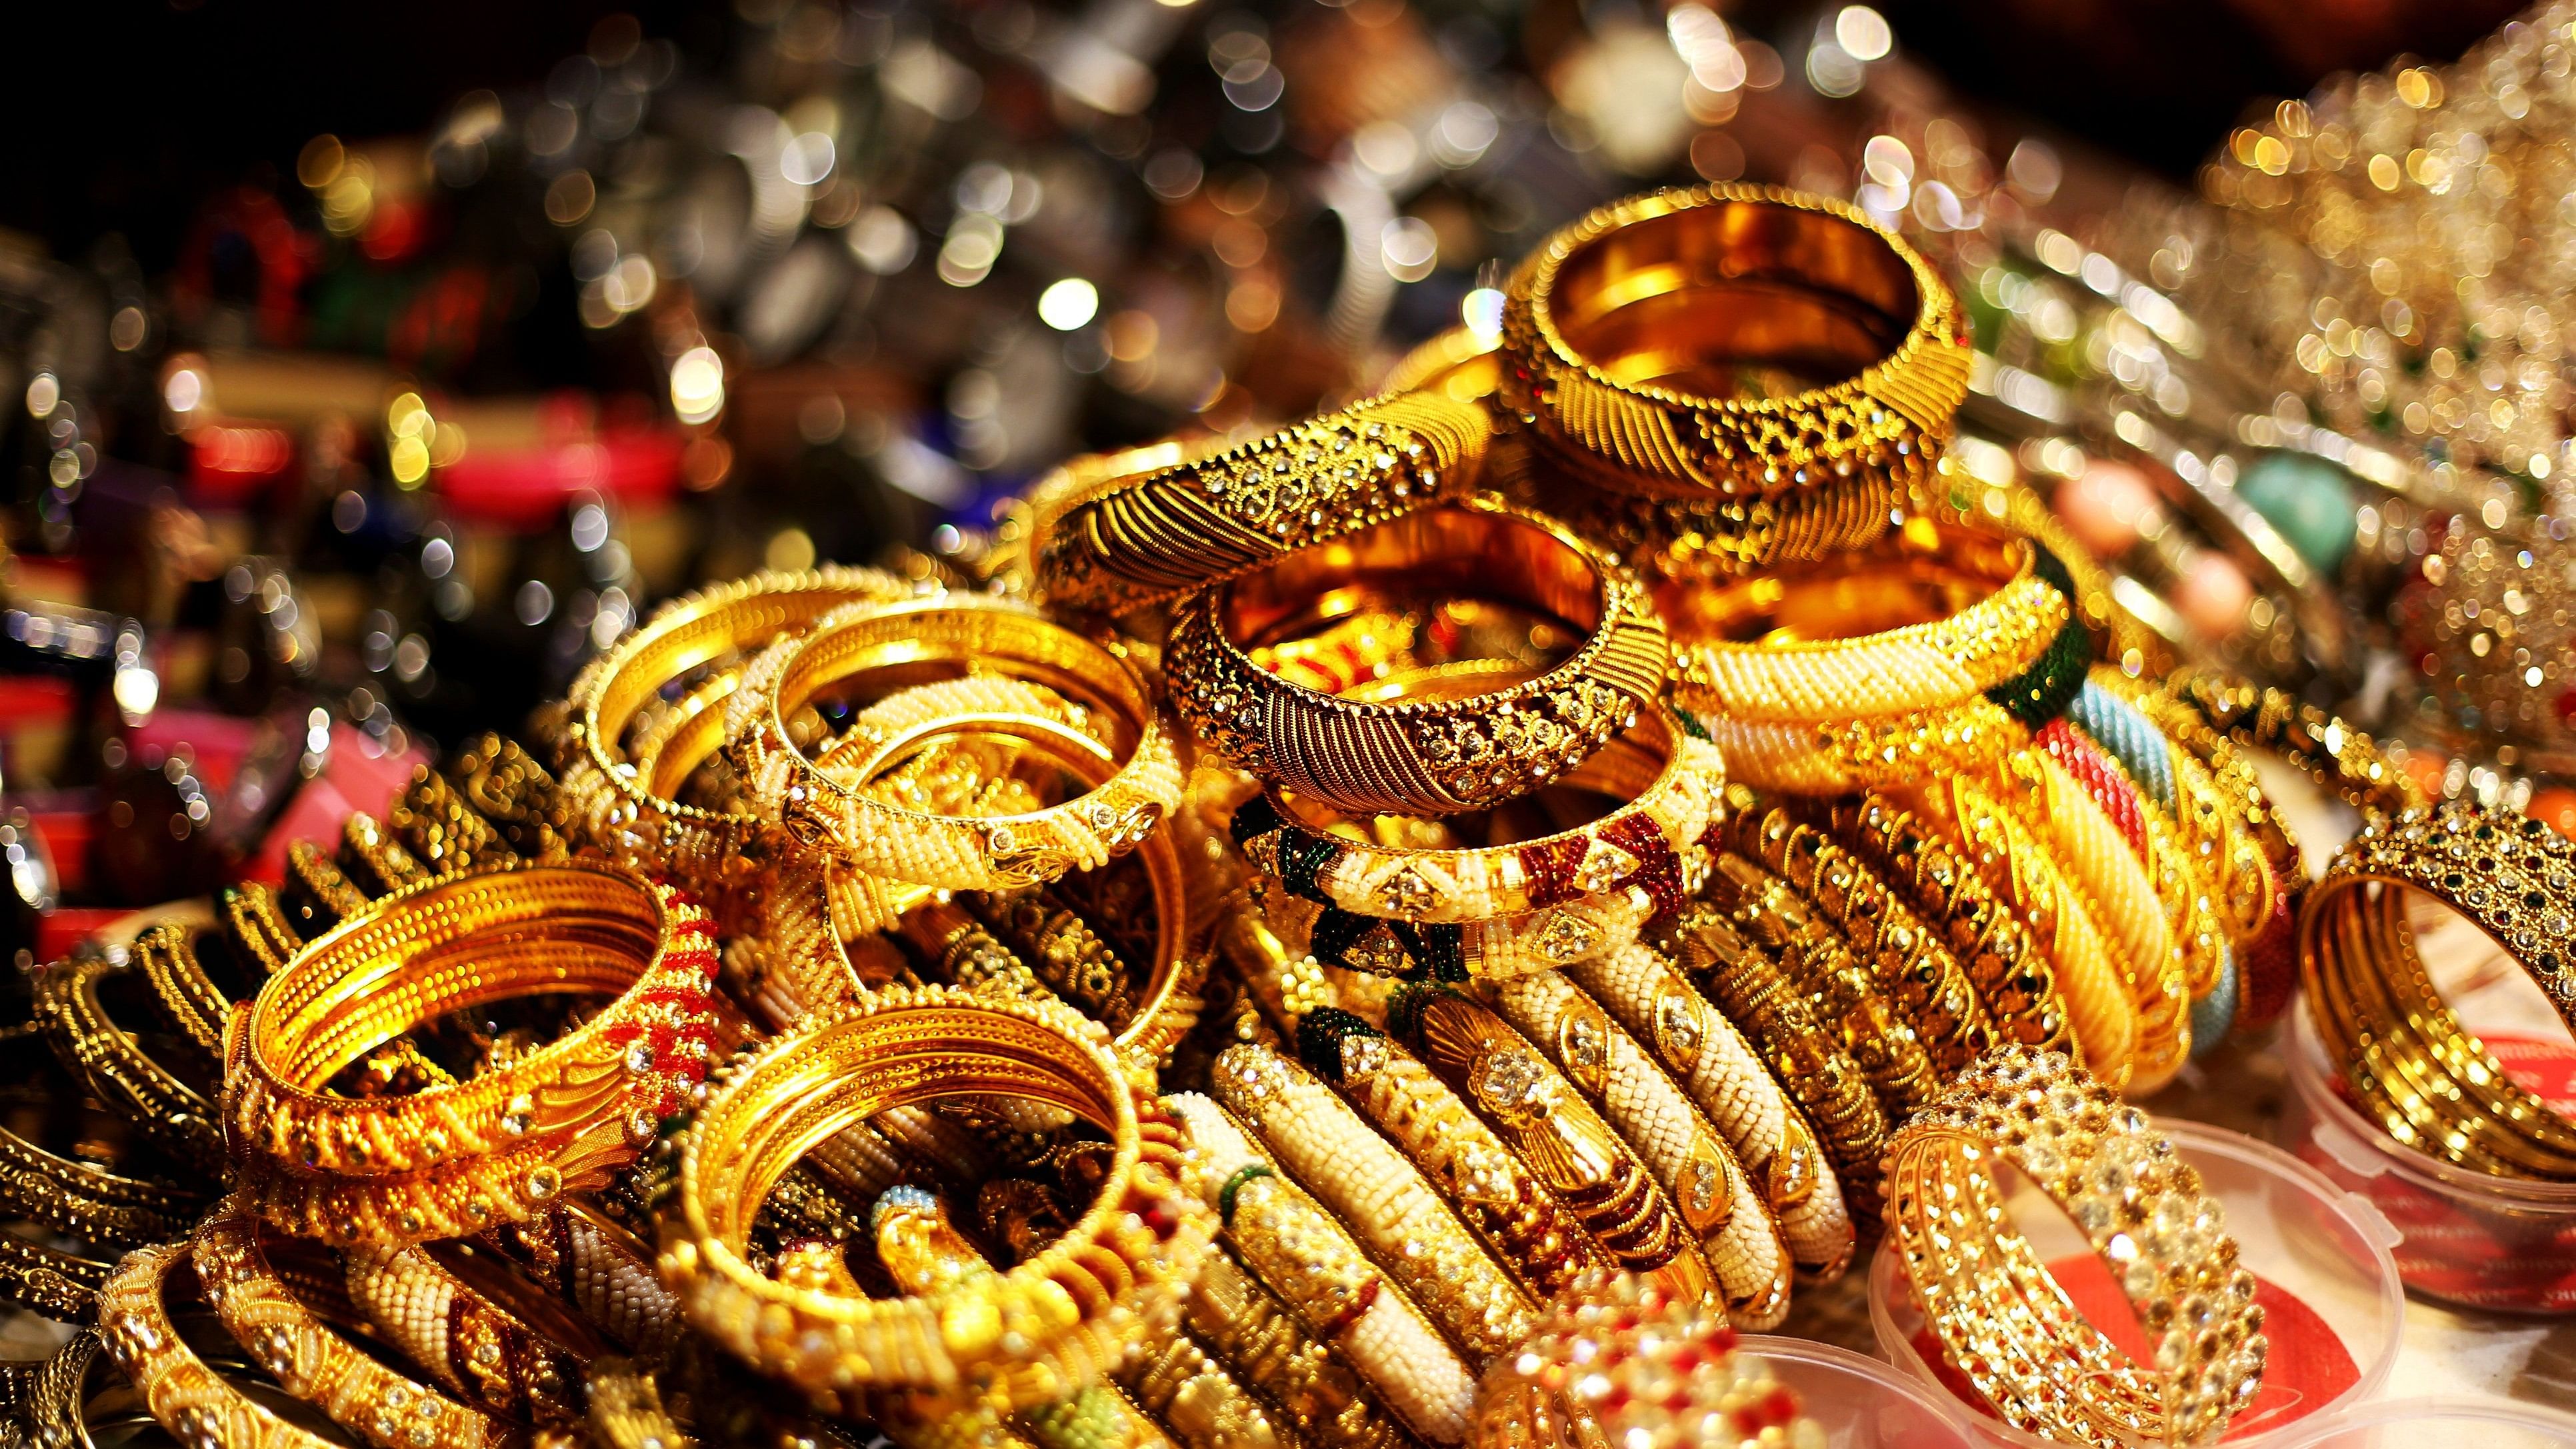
pixel 1524 871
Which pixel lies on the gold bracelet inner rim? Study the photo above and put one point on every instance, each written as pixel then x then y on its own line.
pixel 1677 302
pixel 1424 557
pixel 1903 581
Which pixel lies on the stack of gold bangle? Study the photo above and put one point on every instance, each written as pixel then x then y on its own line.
pixel 1645 838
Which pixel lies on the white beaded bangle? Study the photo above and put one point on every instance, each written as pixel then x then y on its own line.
pixel 1713 1063
pixel 1307 1258
pixel 1380 1196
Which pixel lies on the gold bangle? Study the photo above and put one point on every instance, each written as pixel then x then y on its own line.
pixel 455 1160
pixel 164 1106
pixel 1735 340
pixel 822 809
pixel 2021 873
pixel 1386 1202
pixel 1180 1383
pixel 518 797
pixel 1914 967
pixel 1127 543
pixel 379 863
pixel 1551 938
pixel 1430 755
pixel 1838 988
pixel 1811 1063
pixel 1248 1330
pixel 1546 1247
pixel 1712 1061
pixel 2005 1322
pixel 1699 1173
pixel 711 632
pixel 1666 777
pixel 1706 540
pixel 1306 1257
pixel 314 1362
pixel 2013 976
pixel 1927 617
pixel 603 1270
pixel 2428 1080
pixel 103 1208
pixel 1566 1145
pixel 185 1395
pixel 50 1282
pixel 432 820
pixel 1050 1324
pixel 924 1253
pixel 2333 752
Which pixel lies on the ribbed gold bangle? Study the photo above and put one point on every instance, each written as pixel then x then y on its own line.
pixel 1433 754
pixel 1698 541
pixel 2006 1324
pixel 698 639
pixel 823 810
pixel 1048 1325
pixel 1126 543
pixel 456 1160
pixel 1734 340
pixel 314 1362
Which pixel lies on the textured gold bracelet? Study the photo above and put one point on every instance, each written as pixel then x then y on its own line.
pixel 1247 1328
pixel 1048 1325
pixel 164 1106
pixel 1912 965
pixel 378 862
pixel 186 1396
pixel 314 1362
pixel 823 810
pixel 104 1208
pixel 1665 777
pixel 708 634
pixel 1120 544
pixel 1545 1121
pixel 1733 340
pixel 455 1160
pixel 1433 754
pixel 1810 1057
pixel 2005 1323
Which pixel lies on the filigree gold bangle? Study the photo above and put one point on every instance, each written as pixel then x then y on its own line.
pixel 1640 342
pixel 1433 754
pixel 1310 1261
pixel 456 1160
pixel 1250 1331
pixel 1388 1205
pixel 1122 544
pixel 1713 1062
pixel 314 1362
pixel 185 1394
pixel 1720 1205
pixel 1666 776
pixel 1550 938
pixel 1048 1325
pixel 2005 1323
pixel 709 633
pixel 825 810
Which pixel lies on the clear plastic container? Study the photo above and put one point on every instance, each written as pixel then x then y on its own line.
pixel 2440 1423
pixel 2311 1244
pixel 2495 1243
pixel 1858 1401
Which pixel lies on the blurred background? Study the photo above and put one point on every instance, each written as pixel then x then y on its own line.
pixel 367 368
